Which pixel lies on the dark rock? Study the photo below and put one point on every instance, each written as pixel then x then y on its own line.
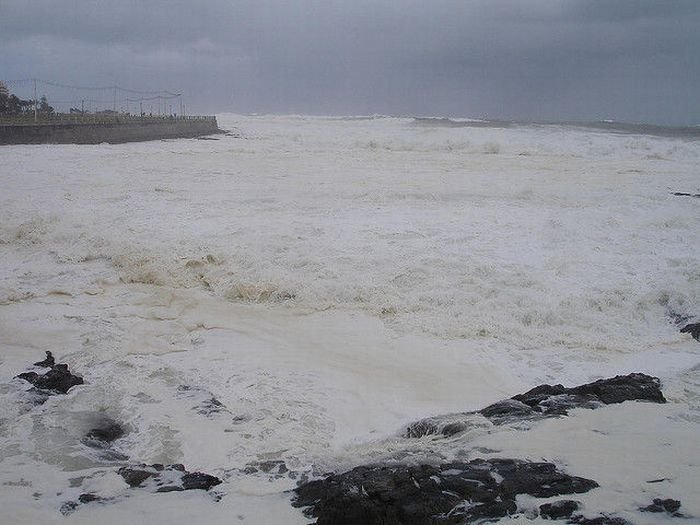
pixel 102 436
pixel 632 387
pixel 199 480
pixel 88 497
pixel 539 394
pixel 600 520
pixel 545 401
pixel 450 429
pixel 693 329
pixel 663 505
pixel 170 488
pixel 424 427
pixel 506 408
pixel 58 379
pixel 559 509
pixel 452 493
pixel 168 478
pixel 273 469
pixel 135 476
pixel 48 362
pixel 541 480
pixel 685 194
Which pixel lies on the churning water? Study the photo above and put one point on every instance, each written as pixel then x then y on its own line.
pixel 328 281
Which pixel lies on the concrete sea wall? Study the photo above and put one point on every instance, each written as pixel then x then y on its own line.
pixel 113 130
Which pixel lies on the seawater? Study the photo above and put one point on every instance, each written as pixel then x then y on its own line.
pixel 331 280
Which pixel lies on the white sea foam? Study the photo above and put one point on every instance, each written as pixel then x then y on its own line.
pixel 329 281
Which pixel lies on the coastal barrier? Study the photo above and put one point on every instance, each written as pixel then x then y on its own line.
pixel 96 129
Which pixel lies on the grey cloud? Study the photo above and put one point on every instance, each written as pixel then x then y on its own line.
pixel 631 60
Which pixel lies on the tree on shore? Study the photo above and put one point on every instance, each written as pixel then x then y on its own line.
pixel 12 105
pixel 44 107
pixel 4 97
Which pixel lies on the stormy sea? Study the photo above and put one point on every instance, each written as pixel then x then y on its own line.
pixel 302 296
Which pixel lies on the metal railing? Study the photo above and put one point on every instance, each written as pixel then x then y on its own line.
pixel 92 118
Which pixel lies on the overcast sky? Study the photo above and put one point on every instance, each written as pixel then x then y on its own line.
pixel 632 60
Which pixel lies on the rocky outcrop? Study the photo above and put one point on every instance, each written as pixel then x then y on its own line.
pixel 86 497
pixel 58 380
pixel 669 506
pixel 693 329
pixel 102 437
pixel 559 509
pixel 170 478
pixel 479 490
pixel 545 401
pixel 48 362
pixel 157 478
pixel 599 520
pixel 453 493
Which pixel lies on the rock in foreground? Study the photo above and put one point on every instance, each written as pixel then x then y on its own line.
pixel 103 436
pixel 669 505
pixel 154 478
pixel 559 509
pixel 57 380
pixel 693 329
pixel 170 478
pixel 549 401
pixel 48 362
pixel 453 493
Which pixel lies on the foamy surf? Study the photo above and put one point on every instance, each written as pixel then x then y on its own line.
pixel 330 281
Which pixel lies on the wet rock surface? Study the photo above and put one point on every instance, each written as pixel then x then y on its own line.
pixel 167 478
pixel 48 362
pixel 58 380
pixel 84 498
pixel 670 506
pixel 599 520
pixel 693 329
pixel 452 493
pixel 103 435
pixel 686 194
pixel 559 509
pixel 545 401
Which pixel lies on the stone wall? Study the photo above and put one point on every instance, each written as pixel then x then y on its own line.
pixel 113 132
